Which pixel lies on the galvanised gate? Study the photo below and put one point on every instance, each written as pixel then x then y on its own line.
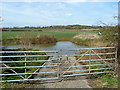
pixel 83 61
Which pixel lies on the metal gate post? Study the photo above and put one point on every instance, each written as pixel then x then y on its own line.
pixel 59 71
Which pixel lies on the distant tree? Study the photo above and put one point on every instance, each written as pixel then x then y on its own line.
pixel 26 27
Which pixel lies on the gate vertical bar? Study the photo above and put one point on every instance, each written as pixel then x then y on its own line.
pixel 25 65
pixel 89 59
pixel 116 53
pixel 116 63
pixel 58 71
pixel 67 59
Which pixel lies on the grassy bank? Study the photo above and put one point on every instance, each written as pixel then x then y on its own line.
pixel 109 37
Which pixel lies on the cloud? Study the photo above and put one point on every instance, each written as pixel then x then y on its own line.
pixel 69 1
pixel 57 13
pixel 75 1
pixel 61 5
pixel 68 14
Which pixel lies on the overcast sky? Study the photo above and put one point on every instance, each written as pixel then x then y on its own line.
pixel 16 14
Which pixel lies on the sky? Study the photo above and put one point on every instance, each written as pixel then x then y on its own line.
pixel 19 14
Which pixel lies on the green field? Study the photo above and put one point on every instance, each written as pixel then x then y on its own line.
pixel 108 36
pixel 64 33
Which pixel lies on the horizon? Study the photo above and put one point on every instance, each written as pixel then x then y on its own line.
pixel 58 26
pixel 42 14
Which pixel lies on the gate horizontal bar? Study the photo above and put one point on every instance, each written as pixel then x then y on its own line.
pixel 87 73
pixel 92 48
pixel 25 61
pixel 91 54
pixel 88 70
pixel 86 60
pixel 27 51
pixel 56 60
pixel 26 73
pixel 30 79
pixel 90 65
pixel 27 67
pixel 97 60
pixel 28 56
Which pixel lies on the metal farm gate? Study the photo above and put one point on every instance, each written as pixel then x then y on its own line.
pixel 49 65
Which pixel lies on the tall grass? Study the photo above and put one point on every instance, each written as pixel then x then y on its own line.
pixel 27 39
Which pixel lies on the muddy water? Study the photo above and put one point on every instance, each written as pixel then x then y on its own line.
pixel 62 46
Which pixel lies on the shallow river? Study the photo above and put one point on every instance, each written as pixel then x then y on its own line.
pixel 62 46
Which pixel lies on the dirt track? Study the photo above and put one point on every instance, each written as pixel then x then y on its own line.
pixel 70 82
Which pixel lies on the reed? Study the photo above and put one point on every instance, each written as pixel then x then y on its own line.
pixel 27 39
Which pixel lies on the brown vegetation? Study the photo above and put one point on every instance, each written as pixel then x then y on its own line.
pixel 27 39
pixel 87 36
pixel 44 39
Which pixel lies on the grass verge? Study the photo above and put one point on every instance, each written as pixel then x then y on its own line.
pixel 104 81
